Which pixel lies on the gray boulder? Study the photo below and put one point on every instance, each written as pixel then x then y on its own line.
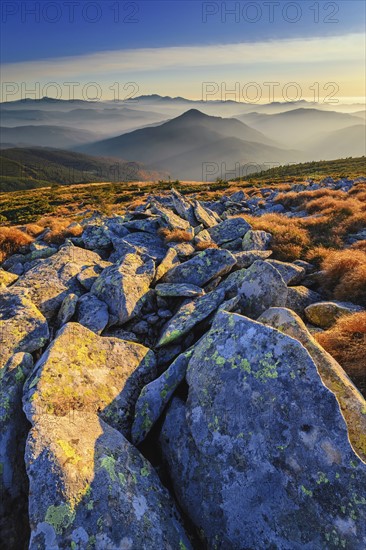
pixel 202 268
pixel 292 274
pixel 92 313
pixel 256 240
pixel 189 315
pixel 248 257
pixel 178 289
pixel 260 444
pixel 262 287
pixel 124 286
pixel 229 230
pixel 300 297
pixel 325 314
pixel 22 325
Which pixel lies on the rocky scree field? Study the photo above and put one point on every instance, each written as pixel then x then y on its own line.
pixel 187 374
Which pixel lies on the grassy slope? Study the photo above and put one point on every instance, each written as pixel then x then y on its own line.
pixel 73 200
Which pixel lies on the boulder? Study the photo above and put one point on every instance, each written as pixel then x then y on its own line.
pixel 172 290
pixel 184 250
pixel 292 274
pixel 351 401
pixel 123 287
pixel 155 396
pixel 299 297
pixel 262 287
pixel 169 261
pixel 184 208
pixel 89 487
pixel 170 219
pixel 258 454
pixel 144 243
pixel 189 315
pixel 51 280
pixel 13 432
pixel 200 269
pixel 248 257
pixel 7 278
pixel 67 309
pixel 92 313
pixel 83 371
pixel 90 274
pixel 229 230
pixel 23 328
pixel 325 314
pixel 207 217
pixel 256 240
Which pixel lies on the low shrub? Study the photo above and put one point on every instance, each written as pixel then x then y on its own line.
pixel 11 240
pixel 344 275
pixel 175 235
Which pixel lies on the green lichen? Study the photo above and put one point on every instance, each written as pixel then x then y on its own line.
pixel 268 369
pixel 322 478
pixel 144 472
pixel 60 517
pixel 182 546
pixel 108 463
pixel 306 491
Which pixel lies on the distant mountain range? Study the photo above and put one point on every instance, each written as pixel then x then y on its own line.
pixel 187 144
pixel 181 136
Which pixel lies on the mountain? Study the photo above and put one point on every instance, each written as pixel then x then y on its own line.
pixel 59 137
pixel 348 142
pixel 299 127
pixel 40 167
pixel 183 144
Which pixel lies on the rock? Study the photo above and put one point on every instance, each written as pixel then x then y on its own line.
pixel 96 236
pixel 202 268
pixel 149 225
pixel 184 208
pixel 262 287
pixel 155 396
pixel 7 278
pixel 260 444
pixel 207 217
pixel 171 220
pixel 144 243
pixel 22 326
pixel 90 274
pixel 183 250
pixel 142 327
pixel 232 245
pixel 121 334
pixel 178 290
pixel 16 268
pixel 13 433
pixel 189 315
pixel 229 230
pixel 256 240
pixel 325 314
pixel 309 268
pixel 114 370
pixel 350 400
pixel 39 251
pixel 291 274
pixel 88 485
pixel 299 297
pixel 67 309
pixel 92 313
pixel 169 261
pixel 165 313
pixel 124 286
pixel 51 280
pixel 203 237
pixel 248 257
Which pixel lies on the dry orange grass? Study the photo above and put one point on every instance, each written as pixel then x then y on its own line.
pixel 290 240
pixel 346 342
pixel 11 240
pixel 359 245
pixel 59 230
pixel 175 235
pixel 344 275
pixel 34 229
pixel 203 245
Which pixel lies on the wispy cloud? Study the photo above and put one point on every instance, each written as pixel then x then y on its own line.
pixel 317 50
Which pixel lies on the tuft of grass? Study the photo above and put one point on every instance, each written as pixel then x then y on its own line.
pixel 344 275
pixel 290 240
pixel 59 230
pixel 11 240
pixel 346 342
pixel 203 245
pixel 175 235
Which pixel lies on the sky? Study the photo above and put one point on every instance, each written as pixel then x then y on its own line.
pixel 255 51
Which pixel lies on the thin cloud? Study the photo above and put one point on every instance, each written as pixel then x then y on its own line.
pixel 317 50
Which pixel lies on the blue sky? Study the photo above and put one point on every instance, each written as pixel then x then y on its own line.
pixel 89 37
